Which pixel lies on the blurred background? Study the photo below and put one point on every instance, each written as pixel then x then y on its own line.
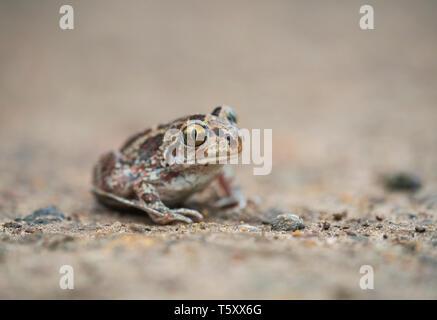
pixel 344 104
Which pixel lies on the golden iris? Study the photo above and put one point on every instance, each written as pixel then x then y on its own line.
pixel 194 134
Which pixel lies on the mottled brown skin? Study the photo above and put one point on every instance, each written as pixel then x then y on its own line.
pixel 142 175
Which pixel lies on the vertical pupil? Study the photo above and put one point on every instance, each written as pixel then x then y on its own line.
pixel 194 134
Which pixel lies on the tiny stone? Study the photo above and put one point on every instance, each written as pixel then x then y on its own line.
pixel 45 215
pixel 402 181
pixel 326 225
pixel 287 222
pixel 385 236
pixel 420 229
pixel 47 211
pixel 12 225
pixel 43 221
pixel 339 216
pixel 379 226
pixel 379 218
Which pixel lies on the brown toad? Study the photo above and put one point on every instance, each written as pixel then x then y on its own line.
pixel 162 167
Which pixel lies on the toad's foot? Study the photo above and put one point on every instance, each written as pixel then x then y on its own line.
pixel 150 202
pixel 158 213
pixel 176 215
pixel 193 214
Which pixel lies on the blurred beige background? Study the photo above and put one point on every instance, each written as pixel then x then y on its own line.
pixel 344 104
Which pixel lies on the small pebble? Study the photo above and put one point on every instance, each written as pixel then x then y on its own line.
pixel 45 215
pixel 12 225
pixel 287 222
pixel 420 229
pixel 326 225
pixel 402 181
pixel 379 226
pixel 339 216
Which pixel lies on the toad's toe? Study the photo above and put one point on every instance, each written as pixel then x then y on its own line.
pixel 193 214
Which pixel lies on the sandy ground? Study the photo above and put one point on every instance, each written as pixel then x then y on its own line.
pixel 345 106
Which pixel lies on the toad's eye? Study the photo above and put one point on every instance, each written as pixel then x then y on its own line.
pixel 194 135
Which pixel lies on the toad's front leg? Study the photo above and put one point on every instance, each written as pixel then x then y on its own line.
pixel 149 201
